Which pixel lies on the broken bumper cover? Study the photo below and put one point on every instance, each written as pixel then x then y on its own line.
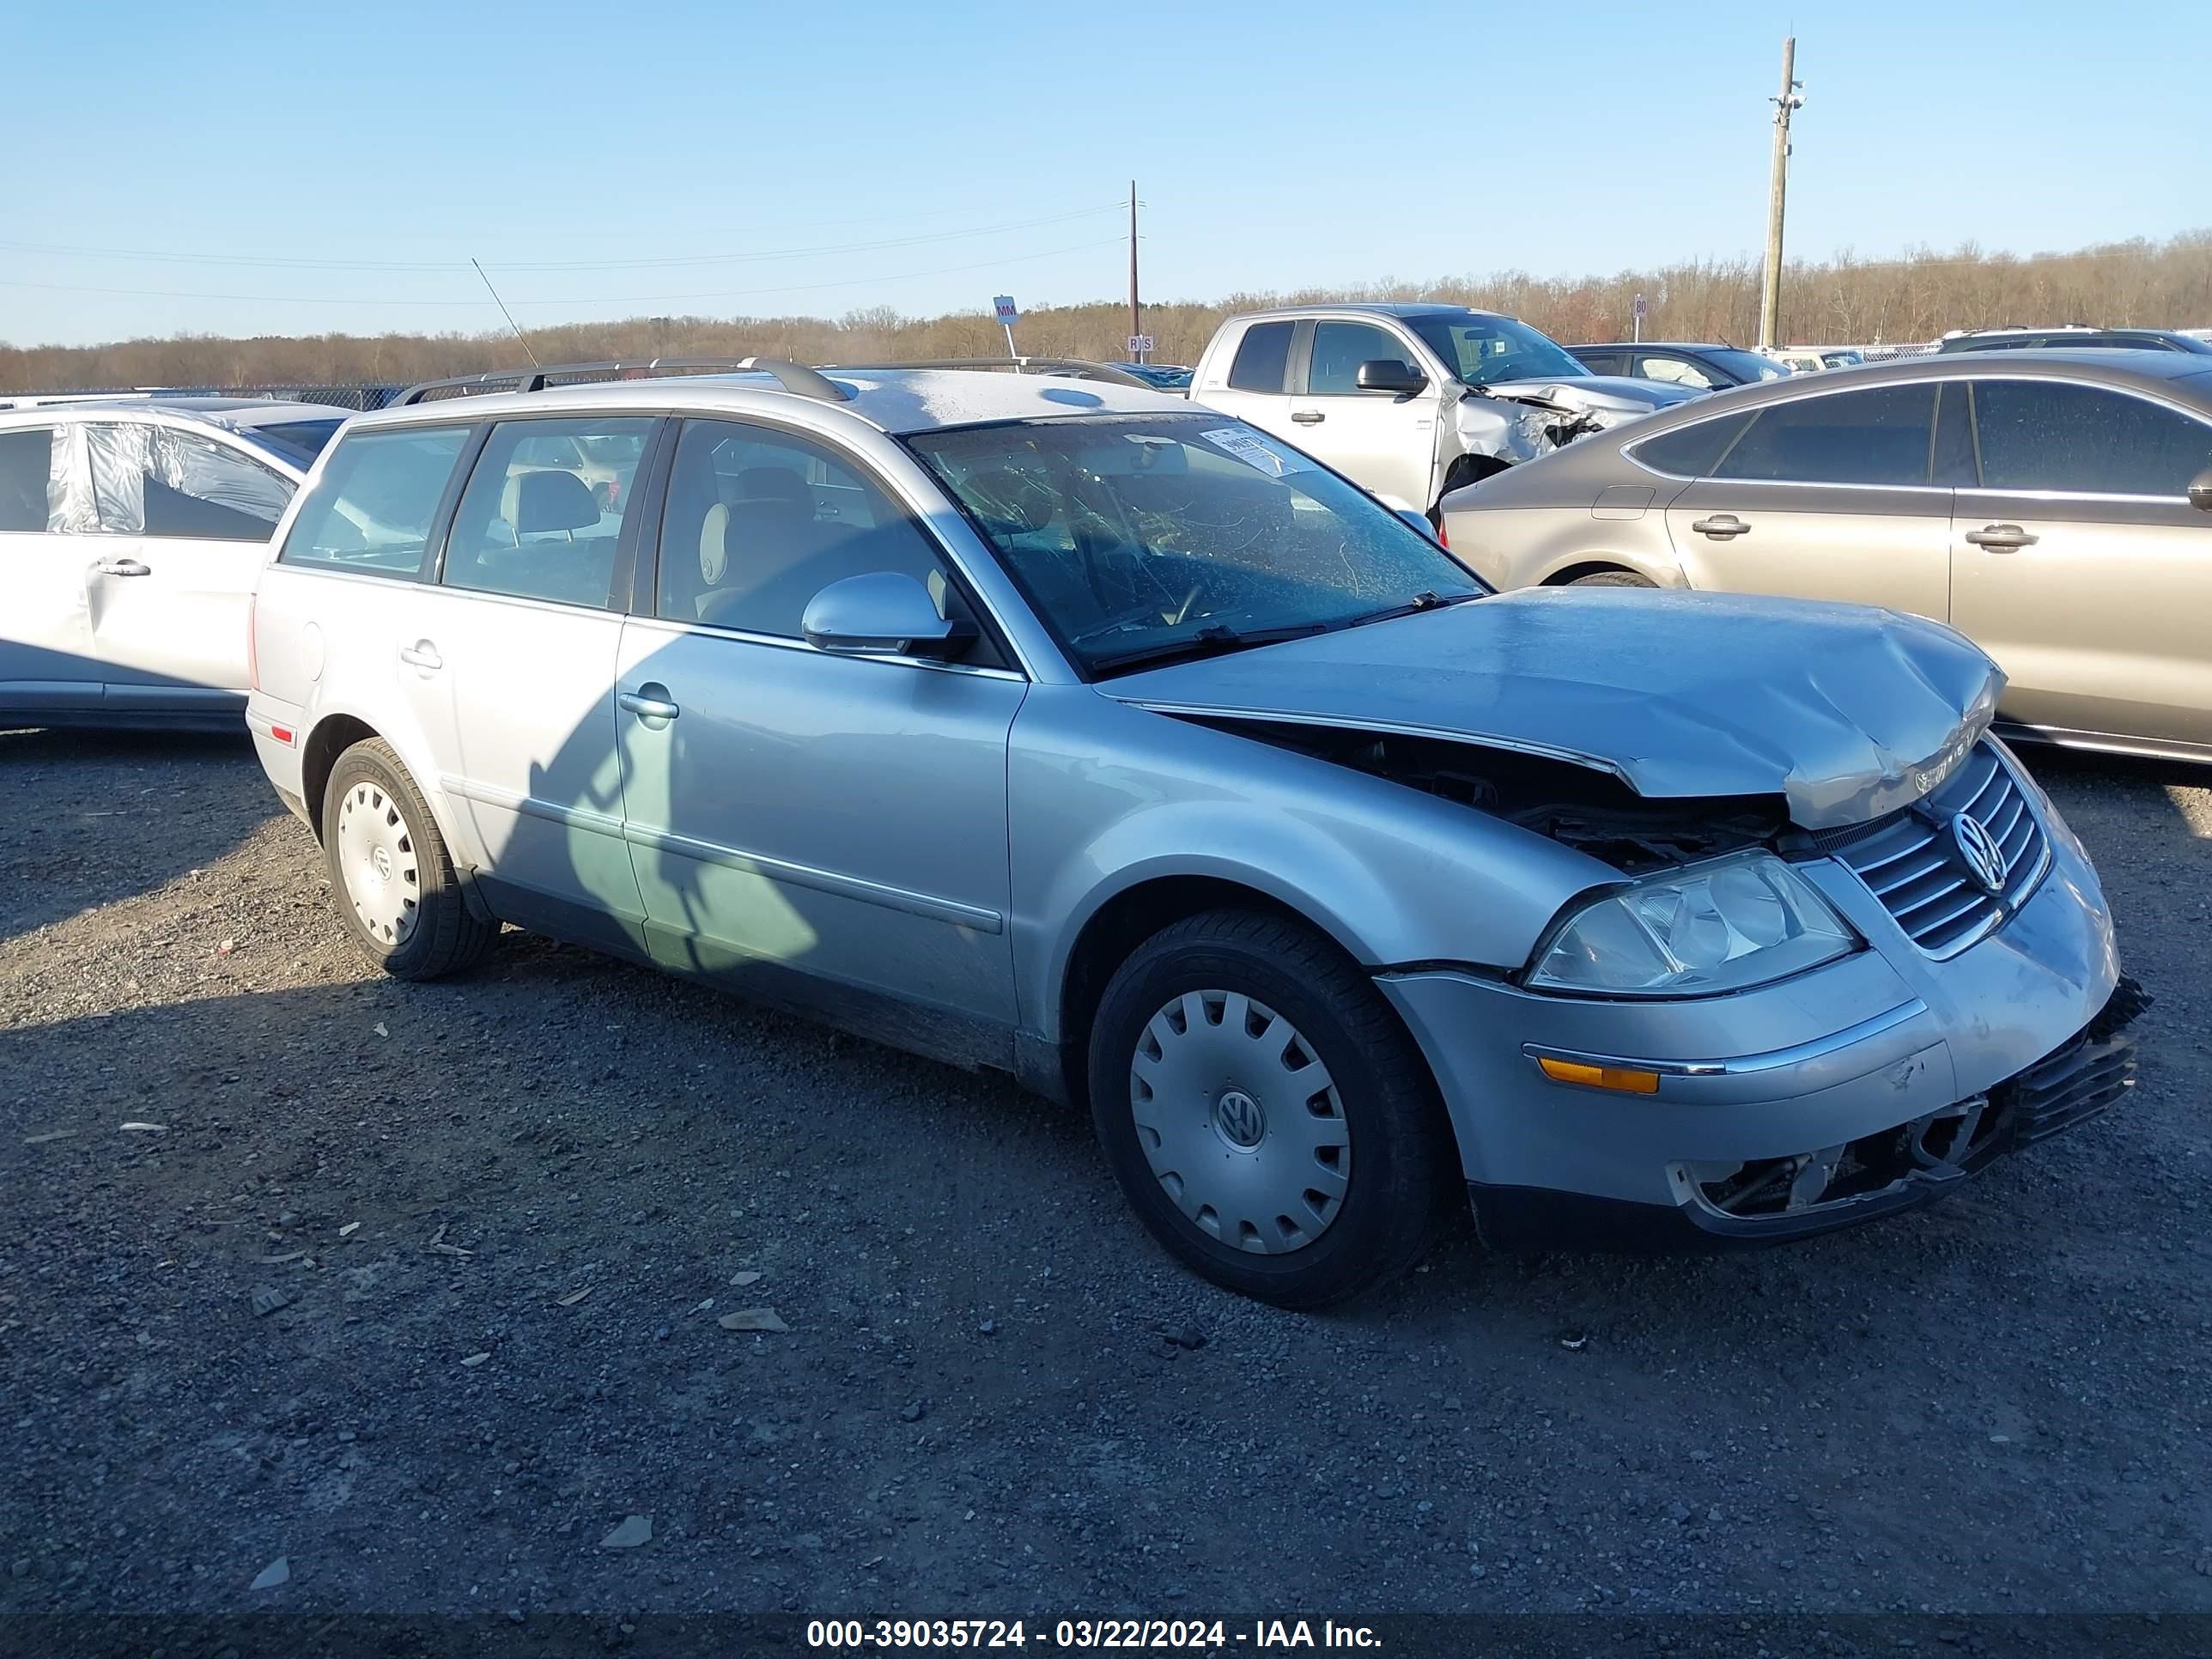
pixel 1771 1199
pixel 1855 1090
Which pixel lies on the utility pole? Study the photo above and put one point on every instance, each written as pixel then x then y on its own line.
pixel 1136 317
pixel 1770 303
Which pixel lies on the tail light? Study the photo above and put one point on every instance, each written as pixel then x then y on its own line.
pixel 252 647
pixel 1443 538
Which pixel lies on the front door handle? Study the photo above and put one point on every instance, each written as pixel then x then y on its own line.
pixel 2001 538
pixel 650 701
pixel 422 655
pixel 1722 526
pixel 122 567
pixel 1307 416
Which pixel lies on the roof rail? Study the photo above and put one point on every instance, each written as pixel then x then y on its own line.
pixel 1078 369
pixel 792 377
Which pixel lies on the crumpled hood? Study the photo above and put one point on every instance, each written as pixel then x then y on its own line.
pixel 1616 395
pixel 1846 711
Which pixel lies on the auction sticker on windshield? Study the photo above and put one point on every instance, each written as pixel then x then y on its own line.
pixel 1254 450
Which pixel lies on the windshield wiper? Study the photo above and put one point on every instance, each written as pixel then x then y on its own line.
pixel 1424 601
pixel 1212 640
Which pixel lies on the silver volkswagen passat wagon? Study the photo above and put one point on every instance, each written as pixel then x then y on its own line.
pixel 1063 728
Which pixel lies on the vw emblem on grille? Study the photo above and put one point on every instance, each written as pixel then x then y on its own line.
pixel 1985 860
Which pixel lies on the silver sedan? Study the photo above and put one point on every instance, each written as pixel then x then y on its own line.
pixel 1068 730
pixel 2054 507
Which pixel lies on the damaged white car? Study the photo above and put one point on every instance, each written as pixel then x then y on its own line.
pixel 131 530
pixel 1410 401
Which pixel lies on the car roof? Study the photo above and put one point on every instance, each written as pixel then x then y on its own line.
pixel 2148 371
pixel 230 412
pixel 898 401
pixel 1976 339
pixel 2050 328
pixel 278 412
pixel 1659 345
pixel 1369 307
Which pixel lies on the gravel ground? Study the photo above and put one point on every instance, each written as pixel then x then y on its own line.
pixel 504 1216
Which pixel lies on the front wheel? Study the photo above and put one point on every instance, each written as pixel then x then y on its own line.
pixel 390 870
pixel 1267 1117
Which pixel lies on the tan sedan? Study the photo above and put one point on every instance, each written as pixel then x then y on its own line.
pixel 2054 507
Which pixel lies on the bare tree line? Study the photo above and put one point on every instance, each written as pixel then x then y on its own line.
pixel 1844 300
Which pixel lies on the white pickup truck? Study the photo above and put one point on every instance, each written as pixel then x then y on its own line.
pixel 1409 401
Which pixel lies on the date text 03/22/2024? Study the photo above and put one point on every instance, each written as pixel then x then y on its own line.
pixel 1190 1635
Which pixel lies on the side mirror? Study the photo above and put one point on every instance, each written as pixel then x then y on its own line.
pixel 2200 491
pixel 1389 374
pixel 1419 521
pixel 884 613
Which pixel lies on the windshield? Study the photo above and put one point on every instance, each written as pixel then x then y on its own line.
pixel 1748 364
pixel 296 441
pixel 1140 538
pixel 1484 350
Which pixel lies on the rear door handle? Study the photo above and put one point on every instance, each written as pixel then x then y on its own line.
pixel 2001 538
pixel 422 655
pixel 1307 416
pixel 122 567
pixel 1722 526
pixel 650 701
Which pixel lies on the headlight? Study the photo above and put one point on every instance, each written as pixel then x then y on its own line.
pixel 1738 921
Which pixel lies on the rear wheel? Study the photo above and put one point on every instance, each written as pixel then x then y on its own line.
pixel 1268 1119
pixel 389 870
pixel 1613 579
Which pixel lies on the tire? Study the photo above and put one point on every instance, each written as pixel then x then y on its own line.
pixel 391 874
pixel 1613 579
pixel 1195 1147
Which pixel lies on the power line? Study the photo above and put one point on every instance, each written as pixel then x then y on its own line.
pixel 577 300
pixel 282 263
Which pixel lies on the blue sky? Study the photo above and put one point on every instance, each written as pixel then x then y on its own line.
pixel 299 168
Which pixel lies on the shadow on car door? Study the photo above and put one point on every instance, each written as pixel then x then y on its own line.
pixel 816 829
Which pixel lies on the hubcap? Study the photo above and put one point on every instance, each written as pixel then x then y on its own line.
pixel 376 857
pixel 1240 1121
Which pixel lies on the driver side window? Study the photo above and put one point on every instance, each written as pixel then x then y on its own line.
pixel 1339 349
pixel 1675 371
pixel 759 520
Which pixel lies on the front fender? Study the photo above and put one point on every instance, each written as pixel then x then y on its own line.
pixel 1103 796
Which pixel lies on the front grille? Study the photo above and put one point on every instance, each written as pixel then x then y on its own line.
pixel 1911 861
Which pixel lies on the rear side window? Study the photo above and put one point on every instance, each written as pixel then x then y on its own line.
pixel 1263 356
pixel 545 508
pixel 371 509
pixel 26 462
pixel 2047 434
pixel 156 481
pixel 1879 435
pixel 1690 452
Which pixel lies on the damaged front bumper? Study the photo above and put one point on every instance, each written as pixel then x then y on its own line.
pixel 1899 1167
pixel 1852 1091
